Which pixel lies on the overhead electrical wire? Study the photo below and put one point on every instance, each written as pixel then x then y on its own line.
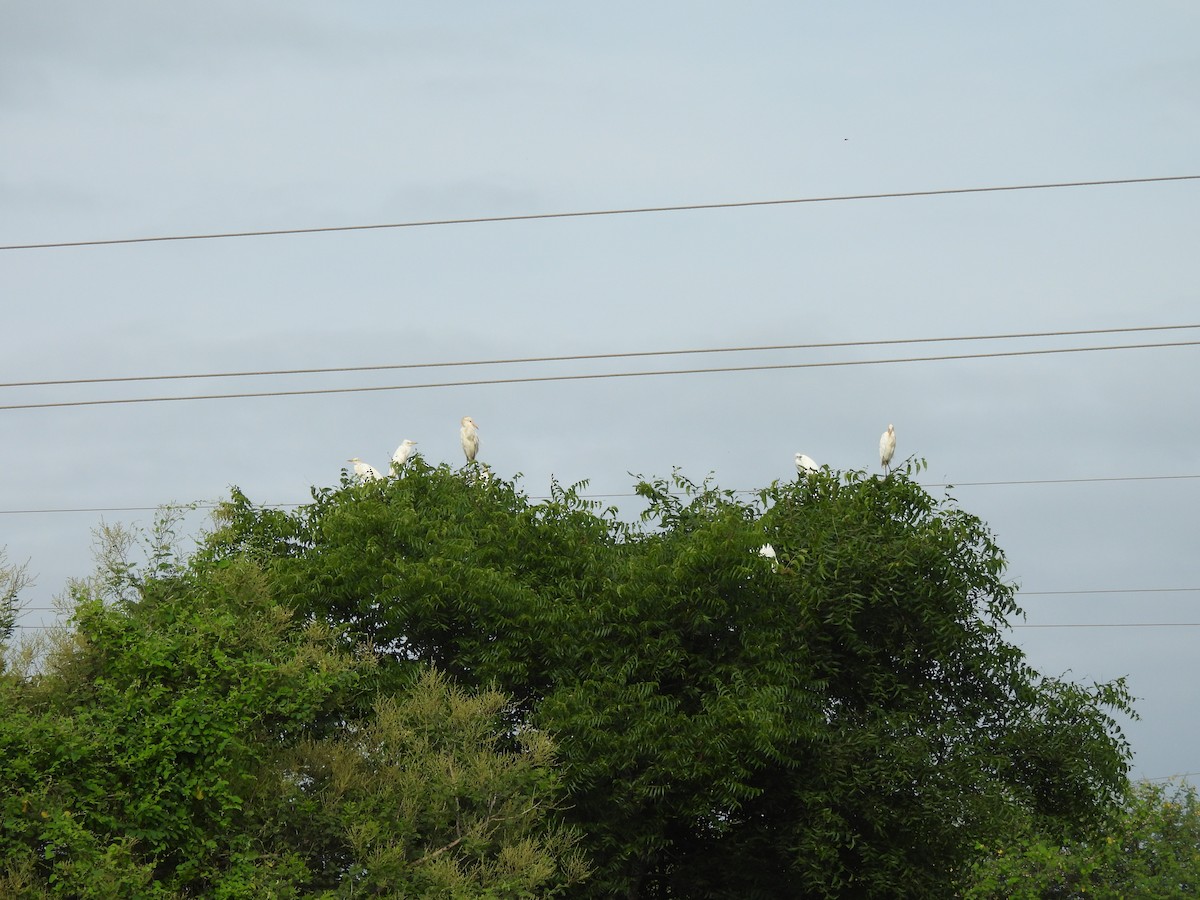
pixel 1115 625
pixel 1057 625
pixel 111 509
pixel 1092 480
pixel 941 484
pixel 1175 590
pixel 535 379
pixel 688 207
pixel 1190 590
pixel 614 496
pixel 578 357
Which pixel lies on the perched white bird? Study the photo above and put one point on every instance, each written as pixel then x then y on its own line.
pixel 365 471
pixel 470 438
pixel 806 464
pixel 767 550
pixel 402 454
pixel 887 447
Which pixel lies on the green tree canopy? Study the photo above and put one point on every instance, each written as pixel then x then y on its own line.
pixel 193 736
pixel 1148 847
pixel 13 580
pixel 845 720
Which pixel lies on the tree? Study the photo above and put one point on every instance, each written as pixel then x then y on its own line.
pixel 846 721
pixel 1149 847
pixel 193 736
pixel 13 580
pixel 429 800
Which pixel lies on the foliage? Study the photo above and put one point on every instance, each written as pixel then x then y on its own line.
pixel 1150 847
pixel 13 580
pixel 429 802
pixel 846 721
pixel 196 737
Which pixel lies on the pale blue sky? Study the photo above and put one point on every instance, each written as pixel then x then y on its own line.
pixel 131 118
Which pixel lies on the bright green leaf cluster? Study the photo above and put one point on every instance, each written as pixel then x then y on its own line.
pixel 1149 847
pixel 193 736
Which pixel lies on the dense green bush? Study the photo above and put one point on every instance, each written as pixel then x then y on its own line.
pixel 1150 847
pixel 200 739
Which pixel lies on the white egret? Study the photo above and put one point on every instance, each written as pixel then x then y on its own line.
pixel 887 447
pixel 806 464
pixel 469 435
pixel 766 551
pixel 402 455
pixel 364 471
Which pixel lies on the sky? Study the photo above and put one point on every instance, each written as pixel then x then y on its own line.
pixel 135 119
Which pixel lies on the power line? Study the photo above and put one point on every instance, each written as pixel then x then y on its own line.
pixel 612 496
pixel 1181 590
pixel 949 484
pixel 957 484
pixel 596 356
pixel 1019 593
pixel 1060 625
pixel 740 204
pixel 599 375
pixel 1116 625
pixel 111 509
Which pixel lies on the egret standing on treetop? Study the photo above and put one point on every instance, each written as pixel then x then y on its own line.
pixel 365 471
pixel 470 438
pixel 806 464
pixel 402 454
pixel 887 447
